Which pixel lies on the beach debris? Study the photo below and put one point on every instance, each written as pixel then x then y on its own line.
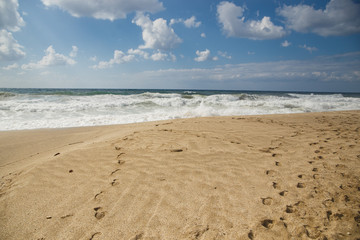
pixel 56 154
pixel 70 171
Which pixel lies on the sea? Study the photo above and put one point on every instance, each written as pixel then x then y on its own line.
pixel 63 108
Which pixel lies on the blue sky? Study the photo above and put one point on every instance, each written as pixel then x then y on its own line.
pixel 245 45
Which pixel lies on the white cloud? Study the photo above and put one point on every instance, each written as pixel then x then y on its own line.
pixel 138 52
pixel 11 66
pixel 340 17
pixel 10 18
pixel 250 53
pixel 51 58
pixel 159 56
pixel 310 49
pixel 264 75
pixel 203 35
pixel 94 58
pixel 156 34
pixel 172 57
pixel 224 54
pixel 133 55
pixel 10 50
pixel 105 9
pixel 286 43
pixel 74 51
pixel 119 58
pixel 204 56
pixel 191 22
pixel 234 24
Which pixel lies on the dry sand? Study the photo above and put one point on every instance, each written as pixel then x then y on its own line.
pixel 256 177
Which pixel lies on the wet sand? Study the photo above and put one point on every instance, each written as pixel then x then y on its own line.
pixel 294 176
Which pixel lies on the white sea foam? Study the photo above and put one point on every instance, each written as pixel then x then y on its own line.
pixel 30 111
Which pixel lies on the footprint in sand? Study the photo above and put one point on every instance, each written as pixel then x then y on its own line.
pixel 276 185
pixel 251 235
pixel 98 194
pixel 114 182
pixel 289 209
pixel 300 185
pixel 137 236
pixel 94 235
pixel 99 215
pixel 268 223
pixel 121 162
pixel 278 164
pixel 114 171
pixel 284 193
pixel 66 216
pixel 270 173
pixel 267 201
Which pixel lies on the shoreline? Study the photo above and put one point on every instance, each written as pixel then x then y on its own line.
pixel 275 176
pixel 175 119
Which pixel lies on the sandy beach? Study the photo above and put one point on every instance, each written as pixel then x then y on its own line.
pixel 294 176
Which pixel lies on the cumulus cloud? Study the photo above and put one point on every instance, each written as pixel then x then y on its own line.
pixel 10 18
pixel 74 51
pixel 10 50
pixel 159 56
pixel 234 24
pixel 104 9
pixel 204 56
pixel 51 58
pixel 189 23
pixel 310 49
pixel 192 23
pixel 10 21
pixel 139 52
pixel 340 17
pixel 134 55
pixel 156 34
pixel 119 58
pixel 286 43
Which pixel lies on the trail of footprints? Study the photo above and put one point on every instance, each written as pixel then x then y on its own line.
pixel 297 209
pixel 99 212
